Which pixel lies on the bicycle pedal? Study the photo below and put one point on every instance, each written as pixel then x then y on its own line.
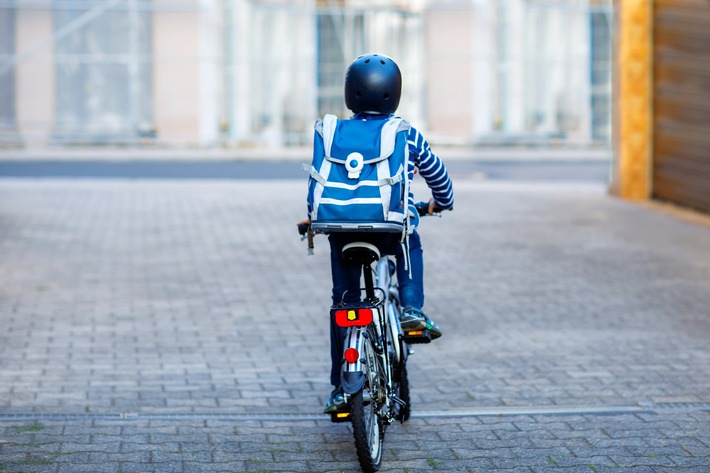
pixel 417 336
pixel 337 417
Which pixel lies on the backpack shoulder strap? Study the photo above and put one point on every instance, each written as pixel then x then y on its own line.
pixel 325 127
pixel 404 125
pixel 321 128
pixel 330 123
pixel 389 135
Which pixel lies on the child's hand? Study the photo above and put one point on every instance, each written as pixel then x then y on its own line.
pixel 432 206
pixel 303 226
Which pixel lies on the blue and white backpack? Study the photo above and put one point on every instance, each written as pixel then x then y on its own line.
pixel 358 178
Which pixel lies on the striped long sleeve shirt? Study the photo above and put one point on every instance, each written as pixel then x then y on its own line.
pixel 431 168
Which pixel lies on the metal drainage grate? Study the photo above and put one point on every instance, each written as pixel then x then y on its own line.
pixel 677 406
pixel 497 411
pixel 166 416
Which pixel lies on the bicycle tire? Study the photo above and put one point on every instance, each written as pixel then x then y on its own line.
pixel 403 412
pixel 368 433
pixel 368 428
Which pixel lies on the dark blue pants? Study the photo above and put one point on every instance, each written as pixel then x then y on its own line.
pixel 346 277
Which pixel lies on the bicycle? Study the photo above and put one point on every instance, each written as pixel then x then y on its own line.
pixel 374 367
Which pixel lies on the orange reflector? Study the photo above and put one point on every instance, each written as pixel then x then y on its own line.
pixel 351 355
pixel 414 333
pixel 342 415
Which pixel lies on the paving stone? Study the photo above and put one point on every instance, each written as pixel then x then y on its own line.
pixel 148 300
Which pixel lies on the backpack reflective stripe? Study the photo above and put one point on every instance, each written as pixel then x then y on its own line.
pixel 356 200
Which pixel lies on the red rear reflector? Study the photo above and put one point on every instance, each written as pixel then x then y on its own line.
pixel 353 317
pixel 351 355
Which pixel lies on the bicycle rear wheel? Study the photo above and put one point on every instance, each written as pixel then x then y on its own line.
pixel 368 432
pixel 402 392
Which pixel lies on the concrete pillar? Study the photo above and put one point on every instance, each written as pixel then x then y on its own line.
pixel 449 42
pixel 482 64
pixel 34 76
pixel 211 88
pixel 176 75
pixel 515 78
pixel 238 77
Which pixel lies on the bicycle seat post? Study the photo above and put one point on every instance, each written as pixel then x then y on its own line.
pixel 363 254
pixel 369 282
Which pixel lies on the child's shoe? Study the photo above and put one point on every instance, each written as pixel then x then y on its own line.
pixel 415 320
pixel 336 402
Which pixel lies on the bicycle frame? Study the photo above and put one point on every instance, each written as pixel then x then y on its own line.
pixel 373 374
pixel 382 335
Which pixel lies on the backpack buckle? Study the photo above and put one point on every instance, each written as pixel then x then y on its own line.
pixel 354 164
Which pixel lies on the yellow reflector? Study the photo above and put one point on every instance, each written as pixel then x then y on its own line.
pixel 342 415
pixel 352 315
pixel 415 332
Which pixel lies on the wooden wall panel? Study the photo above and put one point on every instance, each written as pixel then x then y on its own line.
pixel 681 90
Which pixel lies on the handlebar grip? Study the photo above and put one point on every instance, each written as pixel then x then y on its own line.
pixel 303 228
pixel 423 208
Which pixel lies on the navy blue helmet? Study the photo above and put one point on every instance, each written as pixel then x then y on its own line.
pixel 373 84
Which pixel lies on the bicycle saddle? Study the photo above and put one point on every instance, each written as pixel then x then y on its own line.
pixel 361 253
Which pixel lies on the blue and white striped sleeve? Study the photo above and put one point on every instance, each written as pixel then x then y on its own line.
pixel 431 168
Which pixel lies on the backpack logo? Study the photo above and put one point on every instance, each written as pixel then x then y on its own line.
pixel 354 164
pixel 358 177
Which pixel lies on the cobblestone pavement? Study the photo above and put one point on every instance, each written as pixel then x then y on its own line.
pixel 178 326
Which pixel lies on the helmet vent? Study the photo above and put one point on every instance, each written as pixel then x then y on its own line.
pixel 387 96
pixel 382 62
pixel 367 61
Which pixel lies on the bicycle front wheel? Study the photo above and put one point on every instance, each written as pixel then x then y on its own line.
pixel 368 432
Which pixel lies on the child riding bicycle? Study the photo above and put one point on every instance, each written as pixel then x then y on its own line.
pixel 373 85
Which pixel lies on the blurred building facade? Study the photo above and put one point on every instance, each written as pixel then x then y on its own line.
pixel 258 73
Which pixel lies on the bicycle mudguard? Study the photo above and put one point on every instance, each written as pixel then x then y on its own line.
pixel 352 374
